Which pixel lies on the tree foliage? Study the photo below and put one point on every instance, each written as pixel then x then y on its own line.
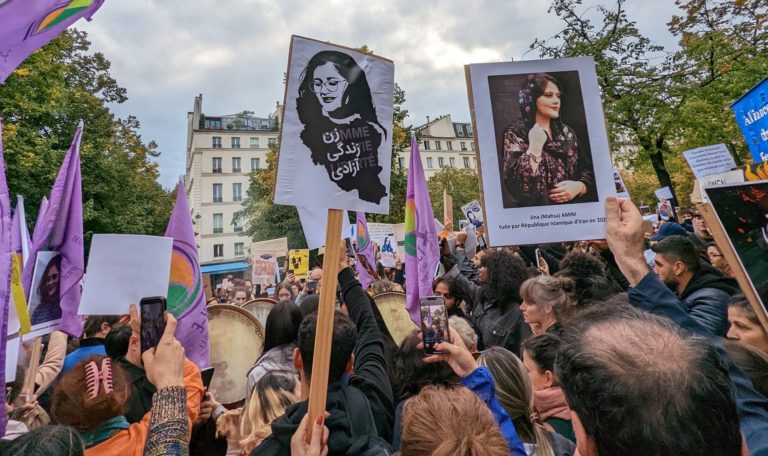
pixel 43 101
pixel 462 185
pixel 665 101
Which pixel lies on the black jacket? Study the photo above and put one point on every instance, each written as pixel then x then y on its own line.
pixel 497 323
pixel 361 405
pixel 706 299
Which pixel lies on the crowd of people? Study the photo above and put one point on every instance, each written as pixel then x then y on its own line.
pixel 640 343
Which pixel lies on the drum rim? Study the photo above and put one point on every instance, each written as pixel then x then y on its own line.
pixel 241 311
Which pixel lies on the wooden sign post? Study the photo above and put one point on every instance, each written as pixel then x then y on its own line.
pixel 321 358
pixel 721 238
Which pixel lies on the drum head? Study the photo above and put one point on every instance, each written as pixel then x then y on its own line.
pixel 237 341
pixel 260 308
pixel 396 317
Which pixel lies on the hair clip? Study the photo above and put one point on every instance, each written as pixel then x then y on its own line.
pixel 93 377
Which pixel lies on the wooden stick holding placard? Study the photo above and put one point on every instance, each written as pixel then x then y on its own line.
pixel 721 238
pixel 321 356
pixel 34 362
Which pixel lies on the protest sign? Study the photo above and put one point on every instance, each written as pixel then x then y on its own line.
pixel 663 193
pixel 551 189
pixel 399 230
pixel 44 305
pixel 263 267
pixel 730 177
pixel 387 251
pixel 708 160
pixel 447 211
pixel 336 140
pixel 280 246
pixel 313 223
pixel 122 269
pixel 751 111
pixel 473 212
pixel 378 231
pixel 12 357
pixel 737 217
pixel 621 187
pixel 298 263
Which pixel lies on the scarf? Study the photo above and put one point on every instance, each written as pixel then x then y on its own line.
pixel 550 403
pixel 104 431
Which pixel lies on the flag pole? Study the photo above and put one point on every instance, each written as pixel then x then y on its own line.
pixel 321 358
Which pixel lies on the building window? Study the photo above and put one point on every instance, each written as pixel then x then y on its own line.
pixel 237 191
pixel 466 162
pixel 217 194
pixel 216 165
pixel 255 164
pixel 449 144
pixel 472 146
pixel 401 162
pixel 239 249
pixel 235 164
pixel 237 225
pixel 216 142
pixel 463 145
pixel 440 162
pixel 438 146
pixel 429 162
pixel 271 141
pixel 254 143
pixel 426 145
pixel 218 223
pixel 218 250
pixel 452 161
pixel 212 123
pixel 235 142
pixel 474 160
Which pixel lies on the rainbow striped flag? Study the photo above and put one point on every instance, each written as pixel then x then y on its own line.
pixel 422 250
pixel 28 25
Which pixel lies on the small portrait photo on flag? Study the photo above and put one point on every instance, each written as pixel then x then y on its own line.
pixel 44 298
pixel 336 141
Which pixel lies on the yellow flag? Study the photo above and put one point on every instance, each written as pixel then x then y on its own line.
pixel 17 294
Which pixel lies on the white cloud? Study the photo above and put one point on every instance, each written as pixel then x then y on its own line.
pixel 234 52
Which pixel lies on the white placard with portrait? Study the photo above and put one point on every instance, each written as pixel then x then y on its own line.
pixel 336 139
pixel 542 150
pixel 44 298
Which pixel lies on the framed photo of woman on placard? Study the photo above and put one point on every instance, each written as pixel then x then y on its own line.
pixel 336 139
pixel 542 148
pixel 44 295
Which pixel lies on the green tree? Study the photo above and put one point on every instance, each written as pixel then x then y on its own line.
pixel 462 185
pixel 43 101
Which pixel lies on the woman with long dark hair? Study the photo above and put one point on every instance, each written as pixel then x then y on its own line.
pixel 494 306
pixel 49 308
pixel 280 335
pixel 543 162
pixel 341 128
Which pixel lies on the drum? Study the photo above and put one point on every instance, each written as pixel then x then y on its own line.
pixel 396 317
pixel 260 308
pixel 237 341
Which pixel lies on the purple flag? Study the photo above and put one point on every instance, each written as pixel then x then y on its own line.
pixel 5 274
pixel 186 297
pixel 366 261
pixel 40 215
pixel 61 230
pixel 422 252
pixel 30 24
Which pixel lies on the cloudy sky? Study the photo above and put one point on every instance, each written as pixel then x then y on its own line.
pixel 235 52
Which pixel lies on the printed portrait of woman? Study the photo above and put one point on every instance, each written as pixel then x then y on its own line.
pixel 48 308
pixel 543 160
pixel 341 128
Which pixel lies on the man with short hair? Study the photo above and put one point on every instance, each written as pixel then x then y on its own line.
pixel 704 290
pixel 637 385
pixel 701 236
pixel 625 234
pixel 360 399
pixel 96 329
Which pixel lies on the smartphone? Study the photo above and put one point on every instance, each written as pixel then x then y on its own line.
pixel 311 287
pixel 152 321
pixel 434 322
pixel 207 375
pixel 538 257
